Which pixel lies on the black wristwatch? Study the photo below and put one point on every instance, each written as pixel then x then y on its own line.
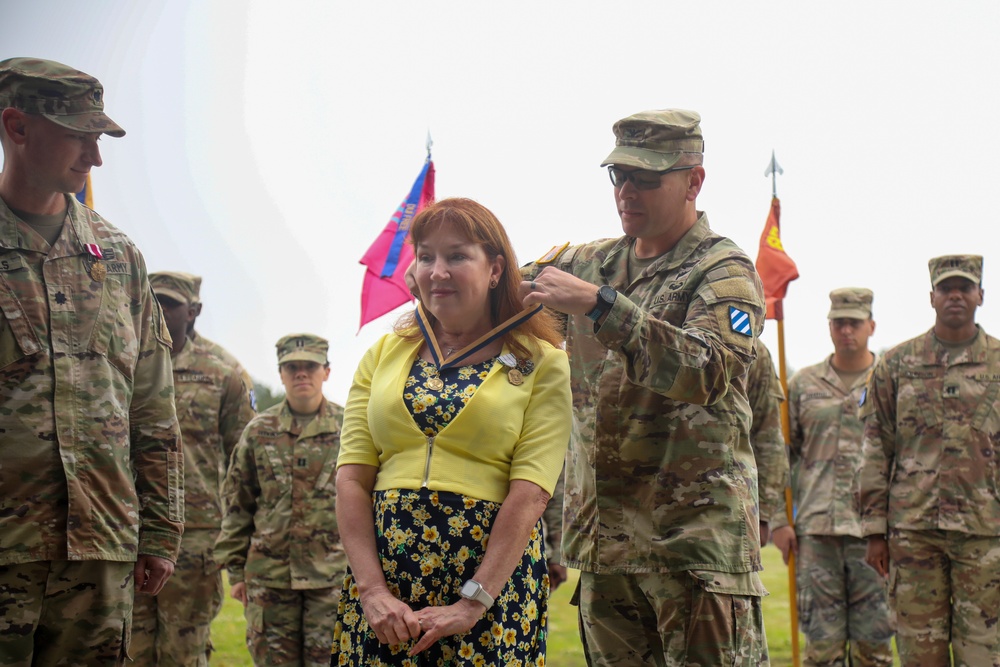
pixel 605 300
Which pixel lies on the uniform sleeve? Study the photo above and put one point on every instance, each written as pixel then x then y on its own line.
pixel 698 361
pixel 540 452
pixel 237 408
pixel 240 491
pixel 356 444
pixel 155 439
pixel 768 443
pixel 552 521
pixel 878 448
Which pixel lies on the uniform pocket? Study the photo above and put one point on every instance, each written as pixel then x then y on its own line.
pixel 17 336
pixel 255 617
pixel 114 333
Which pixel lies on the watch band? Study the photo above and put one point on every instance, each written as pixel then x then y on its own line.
pixel 473 590
pixel 606 296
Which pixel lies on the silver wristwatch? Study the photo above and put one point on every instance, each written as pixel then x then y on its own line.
pixel 473 590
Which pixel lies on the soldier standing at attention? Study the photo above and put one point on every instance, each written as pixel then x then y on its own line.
pixel 765 395
pixel 660 509
pixel 91 479
pixel 279 541
pixel 842 603
pixel 930 481
pixel 213 406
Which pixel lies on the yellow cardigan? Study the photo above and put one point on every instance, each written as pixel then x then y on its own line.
pixel 504 432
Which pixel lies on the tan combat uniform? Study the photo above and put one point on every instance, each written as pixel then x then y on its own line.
pixel 92 468
pixel 931 481
pixel 280 535
pixel 765 396
pixel 662 477
pixel 841 599
pixel 214 405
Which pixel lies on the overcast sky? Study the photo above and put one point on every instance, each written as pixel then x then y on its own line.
pixel 269 142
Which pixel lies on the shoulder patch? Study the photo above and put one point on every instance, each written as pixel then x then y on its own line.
pixel 739 321
pixel 552 254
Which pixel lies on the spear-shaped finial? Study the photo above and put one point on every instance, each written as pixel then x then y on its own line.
pixel 430 142
pixel 773 169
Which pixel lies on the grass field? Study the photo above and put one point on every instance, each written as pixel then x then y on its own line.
pixel 564 648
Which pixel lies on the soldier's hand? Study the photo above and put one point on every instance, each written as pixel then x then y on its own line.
pixel 560 291
pixel 784 539
pixel 392 619
pixel 150 573
pixel 557 575
pixel 877 554
pixel 239 592
pixel 453 619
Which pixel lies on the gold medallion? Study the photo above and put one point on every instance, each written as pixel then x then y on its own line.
pixel 98 271
pixel 434 384
pixel 515 377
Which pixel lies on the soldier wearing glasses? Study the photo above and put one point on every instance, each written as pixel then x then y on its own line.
pixel 660 501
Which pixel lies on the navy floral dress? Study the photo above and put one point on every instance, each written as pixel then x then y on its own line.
pixel 431 542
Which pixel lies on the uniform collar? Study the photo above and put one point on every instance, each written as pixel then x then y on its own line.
pixel 936 354
pixel 616 263
pixel 322 423
pixel 71 241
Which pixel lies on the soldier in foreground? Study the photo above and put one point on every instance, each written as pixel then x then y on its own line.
pixel 214 404
pixel 659 503
pixel 279 541
pixel 91 495
pixel 842 602
pixel 930 505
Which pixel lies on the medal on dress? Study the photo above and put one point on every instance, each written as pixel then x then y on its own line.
pixel 434 383
pixel 517 368
pixel 98 271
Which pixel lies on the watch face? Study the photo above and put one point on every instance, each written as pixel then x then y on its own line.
pixel 607 294
pixel 469 588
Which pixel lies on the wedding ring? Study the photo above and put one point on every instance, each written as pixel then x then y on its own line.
pixel 532 285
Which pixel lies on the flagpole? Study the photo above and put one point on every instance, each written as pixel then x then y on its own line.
pixel 773 169
pixel 786 429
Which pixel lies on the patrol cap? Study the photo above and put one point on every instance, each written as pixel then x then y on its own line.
pixel 851 302
pixel 656 139
pixel 174 285
pixel 197 286
pixel 66 96
pixel 302 347
pixel 969 267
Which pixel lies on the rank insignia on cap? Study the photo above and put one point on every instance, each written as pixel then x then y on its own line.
pixel 740 321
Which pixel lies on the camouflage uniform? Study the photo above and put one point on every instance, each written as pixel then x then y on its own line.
pixel 91 463
pixel 841 599
pixel 930 479
pixel 642 496
pixel 765 396
pixel 279 532
pixel 213 406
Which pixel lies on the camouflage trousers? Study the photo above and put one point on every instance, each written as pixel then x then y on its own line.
pixel 945 585
pixel 843 610
pixel 675 619
pixel 72 613
pixel 172 629
pixel 291 627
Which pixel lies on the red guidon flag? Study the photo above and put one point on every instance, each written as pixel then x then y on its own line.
pixel 775 267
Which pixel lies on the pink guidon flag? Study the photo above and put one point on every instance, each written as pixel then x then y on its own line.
pixel 388 258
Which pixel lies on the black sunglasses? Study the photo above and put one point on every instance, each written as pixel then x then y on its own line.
pixel 641 179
